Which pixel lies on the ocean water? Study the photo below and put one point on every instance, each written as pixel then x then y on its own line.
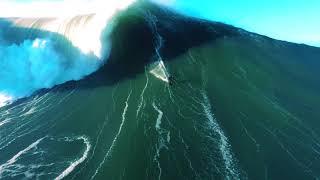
pixel 178 98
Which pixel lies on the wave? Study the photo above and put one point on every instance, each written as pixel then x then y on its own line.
pixel 37 53
pixel 82 31
pixel 36 64
pixel 4 122
pixel 74 164
pixel 16 157
pixel 230 164
pixel 19 165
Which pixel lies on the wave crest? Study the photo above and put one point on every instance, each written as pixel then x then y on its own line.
pixel 38 53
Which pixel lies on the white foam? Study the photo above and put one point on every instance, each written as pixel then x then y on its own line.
pixel 229 162
pixel 4 99
pixel 88 31
pixel 159 71
pixel 160 114
pixel 74 164
pixel 16 157
pixel 39 43
pixel 4 122
pixel 82 27
pixel 141 96
pixel 116 137
pixel 168 137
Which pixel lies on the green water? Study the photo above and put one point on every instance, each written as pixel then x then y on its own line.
pixel 239 107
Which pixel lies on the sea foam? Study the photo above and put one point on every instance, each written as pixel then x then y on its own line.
pixel 41 59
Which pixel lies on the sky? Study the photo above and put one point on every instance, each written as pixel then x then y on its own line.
pixel 290 20
pixel 58 8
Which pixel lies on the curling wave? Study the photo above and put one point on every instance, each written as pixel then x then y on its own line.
pixel 38 53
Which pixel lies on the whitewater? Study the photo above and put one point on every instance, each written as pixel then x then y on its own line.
pixel 55 47
pixel 160 95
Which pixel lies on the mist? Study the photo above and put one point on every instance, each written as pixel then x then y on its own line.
pixel 36 64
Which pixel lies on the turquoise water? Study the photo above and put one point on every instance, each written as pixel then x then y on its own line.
pixel 238 106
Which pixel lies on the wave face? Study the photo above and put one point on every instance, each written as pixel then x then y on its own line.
pixel 257 17
pixel 52 51
pixel 179 98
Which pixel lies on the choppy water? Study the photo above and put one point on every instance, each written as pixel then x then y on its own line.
pixel 238 106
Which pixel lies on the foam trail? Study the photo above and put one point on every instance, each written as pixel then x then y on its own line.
pixel 4 122
pixel 141 96
pixel 159 71
pixel 16 157
pixel 160 145
pixel 229 162
pixel 158 122
pixel 124 113
pixel 73 165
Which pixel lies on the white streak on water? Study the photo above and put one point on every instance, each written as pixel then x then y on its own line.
pixel 20 115
pixel 168 137
pixel 94 148
pixel 193 60
pixel 160 71
pixel 249 135
pixel 156 158
pixel 286 148
pixel 4 122
pixel 115 139
pixel 141 96
pixel 161 141
pixel 114 90
pixel 171 95
pixel 158 122
pixel 16 157
pixel 229 163
pixel 22 134
pixel 74 164
pixel 186 155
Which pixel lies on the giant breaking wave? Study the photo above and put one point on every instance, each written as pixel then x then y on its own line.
pixel 37 53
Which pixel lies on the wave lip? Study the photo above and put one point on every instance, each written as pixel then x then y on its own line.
pixel 82 30
pixel 44 62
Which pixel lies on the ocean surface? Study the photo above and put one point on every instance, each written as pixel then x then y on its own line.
pixel 176 98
